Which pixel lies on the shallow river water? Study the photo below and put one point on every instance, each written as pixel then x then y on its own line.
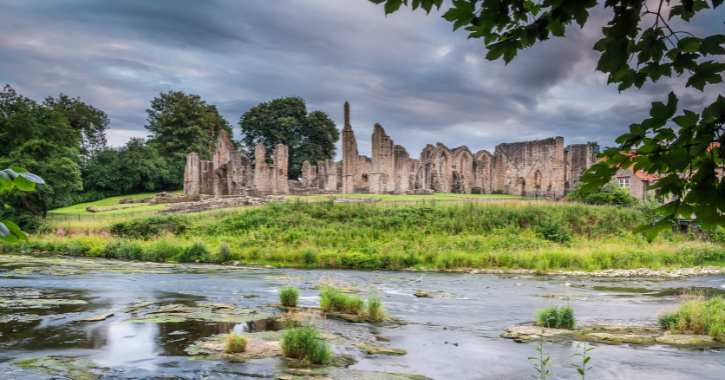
pixel 453 335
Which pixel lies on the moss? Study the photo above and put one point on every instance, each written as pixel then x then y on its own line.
pixel 380 350
pixel 69 367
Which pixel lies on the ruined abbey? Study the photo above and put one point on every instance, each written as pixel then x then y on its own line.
pixel 541 168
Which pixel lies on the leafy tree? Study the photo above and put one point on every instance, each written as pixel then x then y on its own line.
pixel 183 123
pixel 136 167
pixel 14 179
pixel 40 139
pixel 285 120
pixel 87 120
pixel 638 45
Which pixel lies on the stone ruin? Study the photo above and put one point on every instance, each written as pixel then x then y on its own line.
pixel 540 168
pixel 230 173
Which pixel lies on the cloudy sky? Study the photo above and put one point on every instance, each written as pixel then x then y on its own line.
pixel 423 82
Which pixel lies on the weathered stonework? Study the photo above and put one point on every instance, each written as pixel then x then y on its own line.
pixel 540 168
pixel 230 173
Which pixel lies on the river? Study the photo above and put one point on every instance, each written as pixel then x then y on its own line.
pixel 454 334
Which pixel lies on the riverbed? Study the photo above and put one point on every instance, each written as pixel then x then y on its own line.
pixel 452 334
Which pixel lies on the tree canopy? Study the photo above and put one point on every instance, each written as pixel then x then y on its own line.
pixel 309 137
pixel 638 45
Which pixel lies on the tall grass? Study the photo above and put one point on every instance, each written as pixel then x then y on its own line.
pixel 333 300
pixel 699 316
pixel 288 296
pixel 306 343
pixel 556 317
pixel 541 237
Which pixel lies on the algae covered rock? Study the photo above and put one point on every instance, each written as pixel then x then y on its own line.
pixel 62 366
pixel 527 333
pixel 380 350
pixel 691 340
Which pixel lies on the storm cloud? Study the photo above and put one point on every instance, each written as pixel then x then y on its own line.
pixel 423 82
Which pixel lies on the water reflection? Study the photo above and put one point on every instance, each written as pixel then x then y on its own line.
pixel 126 344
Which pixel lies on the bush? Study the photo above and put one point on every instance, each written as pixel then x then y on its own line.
pixel 376 312
pixel 161 251
pixel 609 194
pixel 223 255
pixel 147 228
pixel 305 343
pixel 122 250
pixel 234 343
pixel 553 231
pixel 288 296
pixel 556 317
pixel 195 253
pixel 698 316
pixel 333 300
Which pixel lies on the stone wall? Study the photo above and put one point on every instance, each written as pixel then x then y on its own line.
pixel 540 168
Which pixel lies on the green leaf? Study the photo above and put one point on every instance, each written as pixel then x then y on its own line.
pixel 392 6
pixel 706 72
pixel 689 44
pixel 15 232
pixel 712 45
pixel 4 231
pixel 33 178
pixel 689 119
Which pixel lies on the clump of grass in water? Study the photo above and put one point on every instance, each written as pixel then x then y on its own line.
pixel 306 344
pixel 333 300
pixel 375 310
pixel 234 343
pixel 698 316
pixel 556 317
pixel 288 296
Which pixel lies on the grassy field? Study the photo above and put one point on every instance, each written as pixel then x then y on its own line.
pixel 76 219
pixel 507 234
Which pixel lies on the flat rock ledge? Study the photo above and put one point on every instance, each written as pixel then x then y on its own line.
pixel 607 273
pixel 611 334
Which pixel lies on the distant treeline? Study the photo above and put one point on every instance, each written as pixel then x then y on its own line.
pixel 64 140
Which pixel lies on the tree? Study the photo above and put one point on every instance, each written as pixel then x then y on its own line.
pixel 309 137
pixel 137 167
pixel 638 45
pixel 183 123
pixel 90 122
pixel 40 139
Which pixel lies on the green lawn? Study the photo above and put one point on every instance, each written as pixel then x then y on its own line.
pixel 109 203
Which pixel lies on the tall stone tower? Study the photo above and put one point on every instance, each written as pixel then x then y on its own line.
pixel 349 154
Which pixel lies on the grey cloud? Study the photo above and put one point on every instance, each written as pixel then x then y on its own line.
pixel 410 72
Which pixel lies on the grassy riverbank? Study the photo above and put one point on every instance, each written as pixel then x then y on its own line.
pixel 539 236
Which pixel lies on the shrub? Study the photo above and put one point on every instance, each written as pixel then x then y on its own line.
pixel 223 255
pixel 553 231
pixel 333 300
pixel 161 251
pixel 122 250
pixel 235 343
pixel 288 296
pixel 305 343
pixel 147 228
pixel 556 317
pixel 698 316
pixel 609 194
pixel 376 312
pixel 194 253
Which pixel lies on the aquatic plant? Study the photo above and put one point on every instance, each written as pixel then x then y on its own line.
pixel 541 361
pixel 375 310
pixel 699 316
pixel 234 343
pixel 306 344
pixel 333 300
pixel 556 317
pixel 582 366
pixel 288 296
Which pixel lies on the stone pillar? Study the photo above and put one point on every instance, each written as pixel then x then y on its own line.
pixel 280 162
pixel 381 176
pixel 261 170
pixel 192 176
pixel 349 154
